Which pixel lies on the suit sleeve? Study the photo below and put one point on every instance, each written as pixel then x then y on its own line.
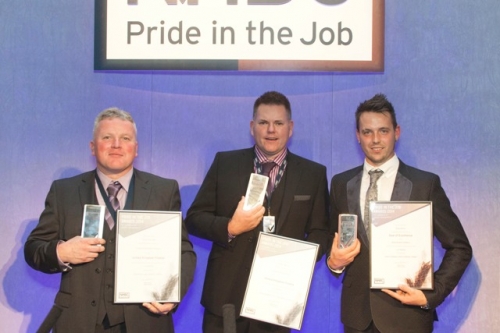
pixel 204 219
pixel 450 233
pixel 188 256
pixel 40 247
pixel 317 231
pixel 333 221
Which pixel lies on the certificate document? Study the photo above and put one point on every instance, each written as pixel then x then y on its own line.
pixel 401 244
pixel 148 256
pixel 279 281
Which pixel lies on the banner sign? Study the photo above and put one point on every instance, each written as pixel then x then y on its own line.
pixel 250 35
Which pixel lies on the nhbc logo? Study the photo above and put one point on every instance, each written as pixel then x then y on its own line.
pixel 250 2
pixel 244 34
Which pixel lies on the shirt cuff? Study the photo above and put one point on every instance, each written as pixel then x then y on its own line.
pixel 336 271
pixel 64 266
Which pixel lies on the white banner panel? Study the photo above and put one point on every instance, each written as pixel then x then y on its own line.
pixel 320 35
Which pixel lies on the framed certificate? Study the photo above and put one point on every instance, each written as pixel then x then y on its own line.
pixel 148 256
pixel 279 281
pixel 401 244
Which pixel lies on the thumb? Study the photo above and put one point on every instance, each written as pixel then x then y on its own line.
pixel 405 288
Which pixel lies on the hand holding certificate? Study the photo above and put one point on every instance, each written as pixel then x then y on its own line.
pixel 401 249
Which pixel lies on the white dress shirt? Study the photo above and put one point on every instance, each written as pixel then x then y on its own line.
pixel 385 184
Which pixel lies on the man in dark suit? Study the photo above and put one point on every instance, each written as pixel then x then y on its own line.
pixel 406 309
pixel 297 201
pixel 84 302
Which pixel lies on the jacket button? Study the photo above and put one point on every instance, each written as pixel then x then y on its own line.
pixel 93 303
pixel 250 239
pixel 98 270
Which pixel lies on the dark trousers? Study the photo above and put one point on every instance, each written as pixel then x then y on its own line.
pixel 215 324
pixel 106 328
pixel 370 329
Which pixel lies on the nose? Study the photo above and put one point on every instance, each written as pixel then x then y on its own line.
pixel 271 128
pixel 116 143
pixel 376 137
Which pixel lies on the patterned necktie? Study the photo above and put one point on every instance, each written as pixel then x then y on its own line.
pixel 371 195
pixel 266 169
pixel 113 189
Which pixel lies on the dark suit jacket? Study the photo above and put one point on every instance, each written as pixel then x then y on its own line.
pixel 360 304
pixel 301 200
pixel 80 288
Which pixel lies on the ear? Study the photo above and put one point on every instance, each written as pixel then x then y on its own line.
pixel 358 137
pixel 251 127
pixel 92 147
pixel 290 132
pixel 397 132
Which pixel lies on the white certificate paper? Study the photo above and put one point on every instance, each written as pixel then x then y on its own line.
pixel 401 244
pixel 279 281
pixel 148 256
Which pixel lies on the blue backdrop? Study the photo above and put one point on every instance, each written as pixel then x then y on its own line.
pixel 442 73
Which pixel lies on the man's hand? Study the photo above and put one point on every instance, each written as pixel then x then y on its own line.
pixel 340 258
pixel 245 220
pixel 407 295
pixel 80 250
pixel 160 309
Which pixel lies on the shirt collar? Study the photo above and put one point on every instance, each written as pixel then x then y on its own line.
pixel 263 159
pixel 389 168
pixel 124 180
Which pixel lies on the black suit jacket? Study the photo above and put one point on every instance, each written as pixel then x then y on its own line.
pixel 360 305
pixel 81 287
pixel 301 200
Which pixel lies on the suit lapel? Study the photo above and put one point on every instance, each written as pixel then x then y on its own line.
pixel 87 189
pixel 244 171
pixel 293 175
pixel 353 192
pixel 402 185
pixel 142 191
